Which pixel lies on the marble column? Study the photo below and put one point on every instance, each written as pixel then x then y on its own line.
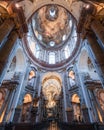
pixel 5 29
pixel 98 52
pixel 9 101
pixel 6 50
pixel 98 30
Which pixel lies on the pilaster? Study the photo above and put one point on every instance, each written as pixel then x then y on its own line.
pixel 98 30
pixel 6 28
pixel 6 50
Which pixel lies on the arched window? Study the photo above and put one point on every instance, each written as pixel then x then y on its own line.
pixel 67 52
pixel 37 51
pixel 51 58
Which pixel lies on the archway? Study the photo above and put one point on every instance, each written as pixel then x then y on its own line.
pixel 51 91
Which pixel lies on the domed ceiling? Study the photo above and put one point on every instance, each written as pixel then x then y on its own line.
pixel 52 41
pixel 52 25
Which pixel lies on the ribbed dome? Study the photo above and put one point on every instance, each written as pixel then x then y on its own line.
pixel 52 40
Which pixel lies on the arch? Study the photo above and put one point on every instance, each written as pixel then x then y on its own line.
pixel 51 86
pixel 52 58
pixel 51 75
pixel 27 98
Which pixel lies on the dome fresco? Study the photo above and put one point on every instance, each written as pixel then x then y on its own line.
pixel 52 39
pixel 52 25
